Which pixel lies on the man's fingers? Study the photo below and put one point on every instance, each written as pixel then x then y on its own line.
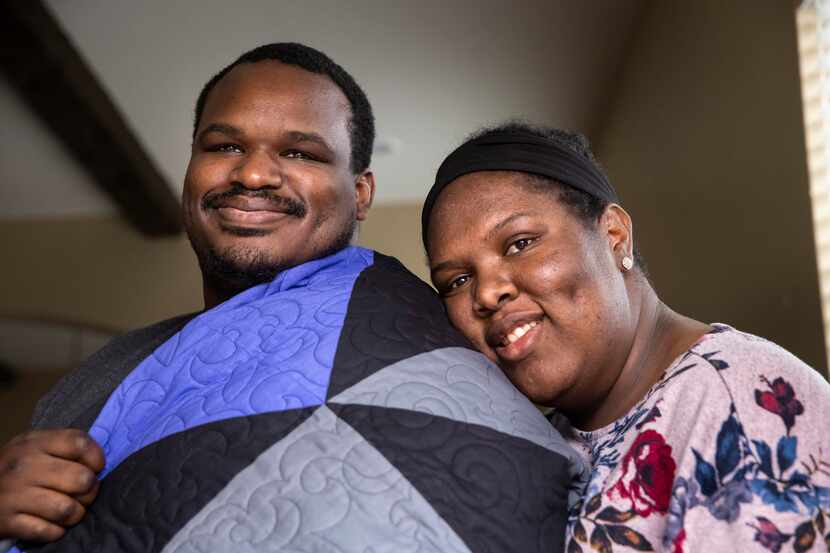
pixel 68 477
pixel 47 478
pixel 40 470
pixel 66 443
pixel 31 528
pixel 51 506
pixel 92 455
pixel 69 443
pixel 87 498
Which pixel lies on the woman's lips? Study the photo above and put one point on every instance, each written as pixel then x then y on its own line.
pixel 523 338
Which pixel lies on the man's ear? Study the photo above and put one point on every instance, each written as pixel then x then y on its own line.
pixel 618 228
pixel 364 190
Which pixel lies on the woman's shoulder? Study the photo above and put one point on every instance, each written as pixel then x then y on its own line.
pixel 755 451
pixel 724 370
pixel 728 372
pixel 727 359
pixel 745 350
pixel 728 447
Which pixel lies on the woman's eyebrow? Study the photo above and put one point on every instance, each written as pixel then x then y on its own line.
pixel 506 221
pixel 443 265
pixel 498 226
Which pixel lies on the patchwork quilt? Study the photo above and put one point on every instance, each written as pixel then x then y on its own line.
pixel 333 410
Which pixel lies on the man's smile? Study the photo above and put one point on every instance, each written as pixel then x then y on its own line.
pixel 246 210
pixel 232 215
pixel 257 209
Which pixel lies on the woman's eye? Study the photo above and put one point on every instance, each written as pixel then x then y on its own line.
pixel 458 282
pixel 519 245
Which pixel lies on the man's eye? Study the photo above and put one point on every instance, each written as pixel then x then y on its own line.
pixel 226 148
pixel 519 245
pixel 296 154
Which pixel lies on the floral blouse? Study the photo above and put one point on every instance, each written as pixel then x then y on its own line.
pixel 729 451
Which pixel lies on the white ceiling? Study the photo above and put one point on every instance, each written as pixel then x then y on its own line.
pixel 434 70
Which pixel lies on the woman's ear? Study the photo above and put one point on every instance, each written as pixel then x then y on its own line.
pixel 617 227
pixel 364 190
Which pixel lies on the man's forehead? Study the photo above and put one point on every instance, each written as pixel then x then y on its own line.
pixel 278 85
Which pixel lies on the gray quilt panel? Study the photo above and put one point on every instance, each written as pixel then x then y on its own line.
pixel 309 492
pixel 462 385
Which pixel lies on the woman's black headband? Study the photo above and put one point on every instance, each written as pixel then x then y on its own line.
pixel 518 151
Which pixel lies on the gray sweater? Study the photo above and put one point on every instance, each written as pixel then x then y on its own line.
pixel 76 400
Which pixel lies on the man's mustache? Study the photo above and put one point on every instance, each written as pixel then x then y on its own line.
pixel 285 205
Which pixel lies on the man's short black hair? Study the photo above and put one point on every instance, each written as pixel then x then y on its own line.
pixel 586 207
pixel 361 124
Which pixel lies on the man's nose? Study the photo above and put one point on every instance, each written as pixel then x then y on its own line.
pixel 493 289
pixel 258 169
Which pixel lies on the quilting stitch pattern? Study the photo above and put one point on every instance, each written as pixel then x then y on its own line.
pixel 389 464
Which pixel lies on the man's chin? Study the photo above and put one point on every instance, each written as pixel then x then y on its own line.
pixel 237 265
pixel 236 269
pixel 246 232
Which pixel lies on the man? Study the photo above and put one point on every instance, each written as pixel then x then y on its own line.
pixel 302 186
pixel 300 336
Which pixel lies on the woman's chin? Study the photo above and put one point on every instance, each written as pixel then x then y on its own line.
pixel 545 392
pixel 538 393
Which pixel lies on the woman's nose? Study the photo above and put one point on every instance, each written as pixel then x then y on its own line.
pixel 258 170
pixel 492 291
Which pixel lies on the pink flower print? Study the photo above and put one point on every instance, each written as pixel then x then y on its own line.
pixel 768 534
pixel 648 474
pixel 780 400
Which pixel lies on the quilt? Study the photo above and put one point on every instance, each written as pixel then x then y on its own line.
pixel 333 410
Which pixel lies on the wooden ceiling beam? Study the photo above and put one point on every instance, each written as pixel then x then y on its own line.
pixel 53 79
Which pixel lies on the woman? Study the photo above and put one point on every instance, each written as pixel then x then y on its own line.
pixel 700 437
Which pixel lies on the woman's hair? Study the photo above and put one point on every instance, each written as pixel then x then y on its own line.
pixel 586 207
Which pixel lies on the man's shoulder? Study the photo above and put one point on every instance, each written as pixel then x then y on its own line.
pixel 387 288
pixel 387 274
pixel 78 395
pixel 141 337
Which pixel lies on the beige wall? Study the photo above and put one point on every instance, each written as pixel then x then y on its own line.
pixel 705 144
pixel 18 400
pixel 396 230
pixel 95 271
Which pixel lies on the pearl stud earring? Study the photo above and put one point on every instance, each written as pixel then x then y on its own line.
pixel 627 263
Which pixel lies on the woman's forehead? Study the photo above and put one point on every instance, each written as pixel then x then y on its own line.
pixel 477 204
pixel 486 190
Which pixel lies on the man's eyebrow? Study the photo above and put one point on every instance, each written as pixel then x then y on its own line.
pixel 294 136
pixel 300 136
pixel 223 128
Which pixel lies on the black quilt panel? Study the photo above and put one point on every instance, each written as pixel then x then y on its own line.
pixel 155 491
pixel 498 492
pixel 392 315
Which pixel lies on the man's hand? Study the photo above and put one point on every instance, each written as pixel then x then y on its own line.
pixel 47 480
